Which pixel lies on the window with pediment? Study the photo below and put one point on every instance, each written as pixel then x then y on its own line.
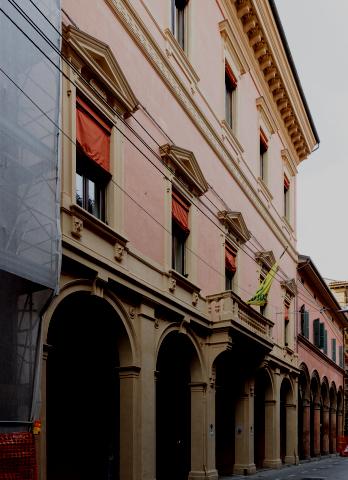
pixel 102 94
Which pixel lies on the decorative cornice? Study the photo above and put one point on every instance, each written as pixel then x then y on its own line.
pixel 138 31
pixel 280 84
pixel 290 287
pixel 235 224
pixel 265 258
pixel 233 47
pixel 98 57
pixel 184 165
pixel 289 161
pixel 266 115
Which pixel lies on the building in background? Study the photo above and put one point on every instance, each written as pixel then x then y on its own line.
pixel 340 290
pixel 321 355
pixel 29 216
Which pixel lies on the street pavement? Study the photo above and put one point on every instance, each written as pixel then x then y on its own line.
pixel 328 468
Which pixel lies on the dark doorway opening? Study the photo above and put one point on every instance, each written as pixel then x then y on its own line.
pixel 83 391
pixel 225 406
pixel 173 408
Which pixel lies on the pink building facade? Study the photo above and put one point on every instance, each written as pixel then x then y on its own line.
pixel 183 130
pixel 320 329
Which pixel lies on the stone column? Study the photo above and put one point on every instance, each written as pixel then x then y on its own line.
pixel 272 427
pixel 291 455
pixel 316 442
pixel 339 423
pixel 306 434
pixel 147 399
pixel 325 430
pixel 129 431
pixel 199 434
pixel 43 435
pixel 333 426
pixel 244 433
pixel 211 429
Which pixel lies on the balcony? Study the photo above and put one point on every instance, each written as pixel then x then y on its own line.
pixel 228 311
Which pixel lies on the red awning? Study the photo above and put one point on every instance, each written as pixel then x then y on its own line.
pixel 231 75
pixel 263 140
pixel 180 210
pixel 230 260
pixel 93 134
pixel 286 312
pixel 286 182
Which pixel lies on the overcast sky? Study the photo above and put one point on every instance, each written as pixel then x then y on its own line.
pixel 317 35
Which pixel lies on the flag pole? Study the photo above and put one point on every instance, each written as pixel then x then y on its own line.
pixel 285 249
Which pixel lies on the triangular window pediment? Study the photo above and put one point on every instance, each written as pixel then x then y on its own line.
pixel 88 51
pixel 235 224
pixel 185 166
pixel 266 258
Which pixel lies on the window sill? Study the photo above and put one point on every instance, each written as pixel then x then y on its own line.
pixel 174 49
pixel 231 137
pixel 97 226
pixel 264 189
pixel 183 281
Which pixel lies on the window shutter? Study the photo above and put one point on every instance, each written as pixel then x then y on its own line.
pixel 316 332
pixel 321 335
pixel 306 324
pixel 325 341
pixel 333 348
pixel 341 356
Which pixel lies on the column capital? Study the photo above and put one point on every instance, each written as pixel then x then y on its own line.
pixel 198 386
pixel 130 371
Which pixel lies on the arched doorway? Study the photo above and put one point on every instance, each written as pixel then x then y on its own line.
pixel 303 412
pixel 176 363
pixel 286 403
pixel 83 400
pixel 339 423
pixel 333 420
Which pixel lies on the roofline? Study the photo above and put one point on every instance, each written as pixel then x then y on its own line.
pixel 306 260
pixel 293 67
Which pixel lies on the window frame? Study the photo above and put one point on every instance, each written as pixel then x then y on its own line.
pixel 230 97
pixel 263 166
pixel 91 172
pixel 179 238
pixel 286 198
pixel 177 15
pixel 230 276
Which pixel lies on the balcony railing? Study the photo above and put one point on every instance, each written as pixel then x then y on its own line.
pixel 227 309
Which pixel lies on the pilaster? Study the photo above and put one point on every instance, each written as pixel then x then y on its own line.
pixel 244 436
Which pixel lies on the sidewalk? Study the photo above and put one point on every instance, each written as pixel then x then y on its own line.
pixel 330 467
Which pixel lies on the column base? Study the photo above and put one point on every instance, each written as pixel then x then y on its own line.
pixel 200 475
pixel 269 463
pixel 291 460
pixel 242 469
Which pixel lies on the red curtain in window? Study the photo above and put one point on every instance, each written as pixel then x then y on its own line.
pixel 263 140
pixel 230 260
pixel 93 134
pixel 286 312
pixel 180 210
pixel 286 183
pixel 231 75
